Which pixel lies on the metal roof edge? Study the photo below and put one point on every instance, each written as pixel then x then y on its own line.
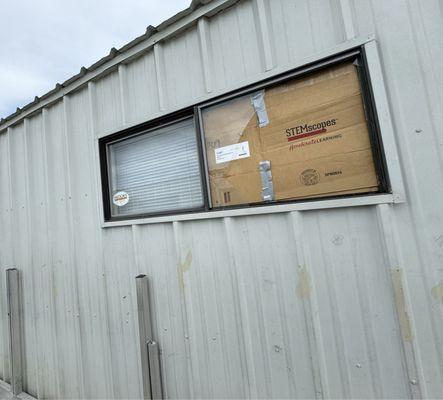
pixel 140 44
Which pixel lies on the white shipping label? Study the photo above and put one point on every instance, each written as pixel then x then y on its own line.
pixel 232 152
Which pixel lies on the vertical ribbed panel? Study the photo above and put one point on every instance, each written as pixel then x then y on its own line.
pixel 119 272
pixel 417 120
pixel 88 261
pixel 141 84
pixel 181 58
pixel 315 304
pixel 352 278
pixel 156 249
pixel 108 106
pixel 40 256
pixel 205 52
pixel 62 257
pixel 6 256
pixel 235 45
pixel 21 247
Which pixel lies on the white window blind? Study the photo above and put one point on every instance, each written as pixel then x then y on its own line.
pixel 159 170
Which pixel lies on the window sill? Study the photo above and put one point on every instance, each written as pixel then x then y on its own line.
pixel 260 210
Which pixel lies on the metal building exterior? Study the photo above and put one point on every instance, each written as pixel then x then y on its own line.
pixel 339 298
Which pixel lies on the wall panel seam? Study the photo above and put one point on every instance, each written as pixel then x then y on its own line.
pixel 122 73
pixel 75 301
pixel 310 311
pixel 395 261
pixel 347 17
pixel 264 35
pixel 203 32
pixel 159 72
pixel 97 198
pixel 29 259
pixel 193 376
pixel 246 363
pixel 54 331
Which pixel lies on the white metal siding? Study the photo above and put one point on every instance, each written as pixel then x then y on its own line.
pixel 141 87
pixel 326 303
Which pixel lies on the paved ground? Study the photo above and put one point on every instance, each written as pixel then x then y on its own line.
pixel 4 394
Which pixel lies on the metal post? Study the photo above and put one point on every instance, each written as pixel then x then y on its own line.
pixel 150 358
pixel 154 368
pixel 15 345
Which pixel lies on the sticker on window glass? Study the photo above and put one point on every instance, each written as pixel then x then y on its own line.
pixel 120 199
pixel 232 152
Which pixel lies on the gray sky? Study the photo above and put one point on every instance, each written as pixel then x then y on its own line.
pixel 47 41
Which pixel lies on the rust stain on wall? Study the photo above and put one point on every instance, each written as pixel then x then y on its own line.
pixel 304 283
pixel 400 304
pixel 183 267
pixel 437 291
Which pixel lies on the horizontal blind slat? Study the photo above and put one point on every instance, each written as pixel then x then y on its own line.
pixel 159 170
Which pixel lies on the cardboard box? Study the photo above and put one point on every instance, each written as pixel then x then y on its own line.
pixel 312 130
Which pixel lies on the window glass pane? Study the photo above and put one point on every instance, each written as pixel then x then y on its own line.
pixel 304 138
pixel 156 171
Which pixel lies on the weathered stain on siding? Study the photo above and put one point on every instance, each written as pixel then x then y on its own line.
pixel 183 268
pixel 400 304
pixel 437 291
pixel 304 284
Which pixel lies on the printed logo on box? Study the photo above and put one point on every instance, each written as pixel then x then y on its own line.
pixel 310 177
pixel 120 199
pixel 303 131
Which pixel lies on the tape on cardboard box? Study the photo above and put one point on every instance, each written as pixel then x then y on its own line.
pixel 317 123
pixel 325 176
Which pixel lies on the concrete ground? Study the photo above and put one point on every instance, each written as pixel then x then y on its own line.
pixel 5 394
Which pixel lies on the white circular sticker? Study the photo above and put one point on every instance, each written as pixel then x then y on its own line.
pixel 120 199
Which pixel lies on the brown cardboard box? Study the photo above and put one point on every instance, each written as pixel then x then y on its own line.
pixel 316 140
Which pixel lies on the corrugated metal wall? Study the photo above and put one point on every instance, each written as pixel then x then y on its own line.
pixel 327 303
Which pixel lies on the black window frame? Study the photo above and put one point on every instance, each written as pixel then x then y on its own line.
pixel 357 55
pixel 144 129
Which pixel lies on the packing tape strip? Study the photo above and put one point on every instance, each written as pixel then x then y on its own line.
pixel 258 102
pixel 267 193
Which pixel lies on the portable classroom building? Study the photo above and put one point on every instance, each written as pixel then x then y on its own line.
pixel 336 296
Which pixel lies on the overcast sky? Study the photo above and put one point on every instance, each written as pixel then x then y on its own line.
pixel 48 41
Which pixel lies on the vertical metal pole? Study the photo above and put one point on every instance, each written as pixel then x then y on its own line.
pixel 154 367
pixel 15 345
pixel 150 356
pixel 145 330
